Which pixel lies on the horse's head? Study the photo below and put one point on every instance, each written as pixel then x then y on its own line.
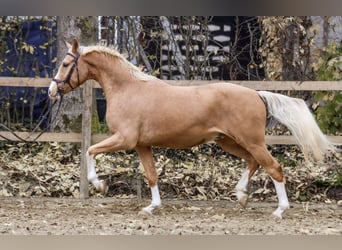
pixel 71 73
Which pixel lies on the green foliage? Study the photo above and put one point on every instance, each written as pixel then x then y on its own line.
pixel 96 126
pixel 331 64
pixel 328 112
pixel 339 178
pixel 336 181
pixel 72 124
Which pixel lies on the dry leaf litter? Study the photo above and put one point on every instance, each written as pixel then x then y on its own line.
pixel 202 173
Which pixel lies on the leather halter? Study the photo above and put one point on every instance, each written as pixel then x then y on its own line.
pixel 68 77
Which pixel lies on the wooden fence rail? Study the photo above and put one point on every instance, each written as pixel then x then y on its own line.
pixel 86 138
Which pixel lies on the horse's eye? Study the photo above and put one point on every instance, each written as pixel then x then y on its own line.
pixel 65 65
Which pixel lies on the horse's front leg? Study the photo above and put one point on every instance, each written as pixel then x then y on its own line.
pixel 99 185
pixel 113 143
pixel 146 157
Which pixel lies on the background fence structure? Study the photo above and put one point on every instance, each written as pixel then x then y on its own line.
pixel 86 138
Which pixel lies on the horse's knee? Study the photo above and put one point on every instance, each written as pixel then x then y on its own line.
pixel 91 151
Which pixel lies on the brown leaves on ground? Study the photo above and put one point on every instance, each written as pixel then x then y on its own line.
pixel 201 173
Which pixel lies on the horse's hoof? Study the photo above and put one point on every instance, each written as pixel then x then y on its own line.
pixel 278 213
pixel 144 213
pixel 102 188
pixel 242 198
pixel 243 201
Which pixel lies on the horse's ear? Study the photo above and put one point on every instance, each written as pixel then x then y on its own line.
pixel 68 45
pixel 75 46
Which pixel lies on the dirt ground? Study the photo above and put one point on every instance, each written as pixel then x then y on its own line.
pixel 111 216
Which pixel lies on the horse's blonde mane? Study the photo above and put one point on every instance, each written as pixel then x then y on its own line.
pixel 112 53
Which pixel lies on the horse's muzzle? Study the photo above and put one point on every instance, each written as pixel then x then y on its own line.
pixel 53 91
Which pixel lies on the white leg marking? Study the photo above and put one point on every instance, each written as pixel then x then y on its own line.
pixel 155 196
pixel 282 198
pixel 92 176
pixel 241 188
pixel 156 202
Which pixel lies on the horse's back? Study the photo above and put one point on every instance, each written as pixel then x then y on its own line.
pixel 175 116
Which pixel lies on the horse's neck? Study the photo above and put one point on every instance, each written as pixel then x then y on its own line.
pixel 113 76
pixel 116 76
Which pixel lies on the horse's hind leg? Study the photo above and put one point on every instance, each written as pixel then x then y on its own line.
pixel 232 147
pixel 241 187
pixel 273 168
pixel 145 154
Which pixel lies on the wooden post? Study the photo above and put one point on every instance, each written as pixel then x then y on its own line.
pixel 86 137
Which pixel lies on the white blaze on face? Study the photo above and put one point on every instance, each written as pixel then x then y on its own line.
pixel 53 90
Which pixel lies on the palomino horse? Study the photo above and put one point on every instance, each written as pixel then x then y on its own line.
pixel 143 111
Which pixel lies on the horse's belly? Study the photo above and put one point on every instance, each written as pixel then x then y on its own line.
pixel 182 140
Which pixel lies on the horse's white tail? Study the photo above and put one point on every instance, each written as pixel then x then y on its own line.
pixel 295 115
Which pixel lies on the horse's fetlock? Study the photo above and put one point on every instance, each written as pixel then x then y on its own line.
pixel 102 187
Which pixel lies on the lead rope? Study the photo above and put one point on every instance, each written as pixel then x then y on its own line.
pixel 44 116
pixel 52 121
pixel 12 132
